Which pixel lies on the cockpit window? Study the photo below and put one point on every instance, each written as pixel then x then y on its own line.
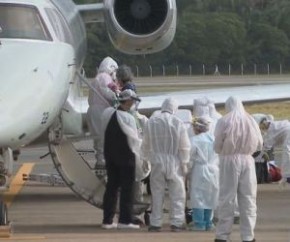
pixel 21 22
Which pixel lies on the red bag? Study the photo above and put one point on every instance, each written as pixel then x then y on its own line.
pixel 274 173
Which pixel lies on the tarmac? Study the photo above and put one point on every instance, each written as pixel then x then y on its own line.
pixel 40 212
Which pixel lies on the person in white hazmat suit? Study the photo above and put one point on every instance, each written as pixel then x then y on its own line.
pixel 237 137
pixel 277 133
pixel 215 116
pixel 104 97
pixel 166 145
pixel 204 175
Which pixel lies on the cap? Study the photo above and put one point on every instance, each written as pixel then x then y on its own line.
pixel 127 95
pixel 201 123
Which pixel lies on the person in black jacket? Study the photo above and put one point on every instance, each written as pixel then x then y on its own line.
pixel 121 146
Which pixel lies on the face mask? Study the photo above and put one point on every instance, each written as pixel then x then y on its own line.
pixel 133 108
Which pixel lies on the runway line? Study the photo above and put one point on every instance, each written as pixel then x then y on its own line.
pixel 17 183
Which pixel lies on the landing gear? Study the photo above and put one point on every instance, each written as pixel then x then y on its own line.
pixel 6 167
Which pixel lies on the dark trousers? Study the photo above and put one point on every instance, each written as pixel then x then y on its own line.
pixel 262 172
pixel 122 177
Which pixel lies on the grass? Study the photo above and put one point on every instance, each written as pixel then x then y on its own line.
pixel 280 110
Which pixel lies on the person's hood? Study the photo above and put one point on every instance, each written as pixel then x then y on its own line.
pixel 169 105
pixel 234 103
pixel 108 65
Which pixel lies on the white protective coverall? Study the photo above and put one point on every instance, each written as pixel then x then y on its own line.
pixel 237 137
pixel 278 134
pixel 141 171
pixel 99 101
pixel 166 145
pixel 204 175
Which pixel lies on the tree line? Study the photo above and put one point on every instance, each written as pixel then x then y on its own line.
pixel 210 32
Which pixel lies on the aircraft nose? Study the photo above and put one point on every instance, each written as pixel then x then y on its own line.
pixel 33 85
pixel 19 105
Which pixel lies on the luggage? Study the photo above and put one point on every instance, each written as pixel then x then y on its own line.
pixel 274 172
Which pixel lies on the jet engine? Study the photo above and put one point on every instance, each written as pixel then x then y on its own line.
pixel 140 26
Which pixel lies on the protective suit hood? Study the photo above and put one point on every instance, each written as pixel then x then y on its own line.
pixel 234 103
pixel 200 107
pixel 169 105
pixel 108 65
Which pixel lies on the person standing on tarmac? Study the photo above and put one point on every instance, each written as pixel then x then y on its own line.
pixel 105 96
pixel 166 145
pixel 121 151
pixel 204 175
pixel 237 137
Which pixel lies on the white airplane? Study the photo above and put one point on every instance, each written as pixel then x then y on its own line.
pixel 42 50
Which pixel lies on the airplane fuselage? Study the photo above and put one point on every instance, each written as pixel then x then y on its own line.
pixel 42 44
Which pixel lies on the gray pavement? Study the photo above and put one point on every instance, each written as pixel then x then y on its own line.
pixel 44 213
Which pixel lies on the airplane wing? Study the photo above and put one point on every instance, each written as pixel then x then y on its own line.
pixel 248 94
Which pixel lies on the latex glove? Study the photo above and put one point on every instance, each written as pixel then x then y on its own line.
pixel 184 170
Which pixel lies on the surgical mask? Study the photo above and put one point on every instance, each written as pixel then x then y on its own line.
pixel 133 108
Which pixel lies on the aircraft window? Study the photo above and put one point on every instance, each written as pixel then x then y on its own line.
pixel 21 22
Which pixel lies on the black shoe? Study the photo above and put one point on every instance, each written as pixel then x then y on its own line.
pixel 154 229
pixel 249 240
pixel 220 240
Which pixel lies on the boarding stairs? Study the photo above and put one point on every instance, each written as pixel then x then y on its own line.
pixel 74 160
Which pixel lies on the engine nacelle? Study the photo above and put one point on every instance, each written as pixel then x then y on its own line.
pixel 140 26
